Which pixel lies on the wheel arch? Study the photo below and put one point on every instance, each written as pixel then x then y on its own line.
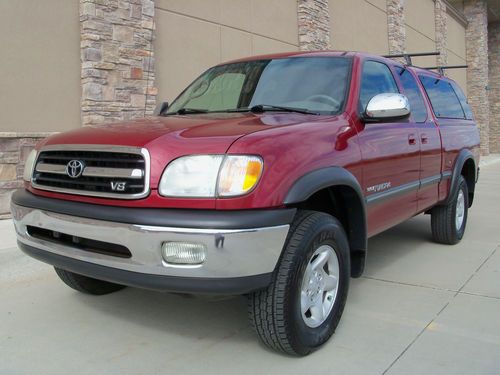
pixel 465 166
pixel 336 191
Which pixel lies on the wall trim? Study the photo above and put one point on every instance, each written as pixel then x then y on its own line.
pixel 26 134
pixel 455 13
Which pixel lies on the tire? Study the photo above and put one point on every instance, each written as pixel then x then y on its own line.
pixel 275 312
pixel 445 224
pixel 86 284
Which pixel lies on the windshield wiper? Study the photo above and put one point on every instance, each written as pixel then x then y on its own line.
pixel 260 108
pixel 187 111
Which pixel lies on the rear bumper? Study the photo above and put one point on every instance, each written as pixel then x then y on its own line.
pixel 238 259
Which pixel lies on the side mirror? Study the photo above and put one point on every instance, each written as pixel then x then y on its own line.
pixel 161 109
pixel 386 107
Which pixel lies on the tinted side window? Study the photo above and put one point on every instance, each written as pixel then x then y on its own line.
pixel 463 100
pixel 376 79
pixel 412 92
pixel 444 101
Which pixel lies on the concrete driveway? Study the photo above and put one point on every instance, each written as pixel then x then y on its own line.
pixel 420 308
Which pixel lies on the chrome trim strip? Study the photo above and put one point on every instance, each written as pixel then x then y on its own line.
pixel 230 253
pixel 446 175
pixel 406 188
pixel 92 171
pixel 398 190
pixel 51 168
pixel 430 180
pixel 101 148
pixel 112 172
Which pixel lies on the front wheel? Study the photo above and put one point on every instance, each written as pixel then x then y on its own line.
pixel 302 306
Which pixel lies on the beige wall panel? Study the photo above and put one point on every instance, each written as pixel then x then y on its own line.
pixel 184 47
pixel 456 37
pixel 204 9
pixel 459 75
pixel 416 42
pixel 370 22
pixel 263 45
pixel 235 44
pixel 237 14
pixel 381 4
pixel 39 65
pixel 276 19
pixel 419 14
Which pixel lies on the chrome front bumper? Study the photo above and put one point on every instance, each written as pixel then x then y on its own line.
pixel 231 253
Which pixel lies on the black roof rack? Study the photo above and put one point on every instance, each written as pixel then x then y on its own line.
pixel 408 56
pixel 440 69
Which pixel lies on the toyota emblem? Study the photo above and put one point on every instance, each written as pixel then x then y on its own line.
pixel 75 168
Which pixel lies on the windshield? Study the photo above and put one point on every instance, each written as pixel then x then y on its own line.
pixel 316 84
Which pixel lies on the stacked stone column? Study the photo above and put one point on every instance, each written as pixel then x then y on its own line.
pixel 476 40
pixel 494 85
pixel 117 56
pixel 396 26
pixel 441 36
pixel 314 25
pixel 14 149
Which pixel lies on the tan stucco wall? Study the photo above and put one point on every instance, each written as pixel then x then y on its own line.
pixel 420 30
pixel 39 65
pixel 359 25
pixel 192 36
pixel 420 37
pixel 456 51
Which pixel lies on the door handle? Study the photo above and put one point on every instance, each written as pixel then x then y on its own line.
pixel 412 140
pixel 424 138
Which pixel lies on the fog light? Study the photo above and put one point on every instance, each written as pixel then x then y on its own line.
pixel 183 252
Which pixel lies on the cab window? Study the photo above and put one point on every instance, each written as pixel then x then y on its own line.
pixel 376 78
pixel 414 95
pixel 463 101
pixel 444 100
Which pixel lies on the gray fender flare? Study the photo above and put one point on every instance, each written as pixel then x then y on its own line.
pixel 460 160
pixel 312 182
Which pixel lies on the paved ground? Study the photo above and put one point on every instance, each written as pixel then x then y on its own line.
pixel 421 308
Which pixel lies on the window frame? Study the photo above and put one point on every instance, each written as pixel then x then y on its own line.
pixel 420 88
pixel 361 110
pixel 447 81
pixel 350 60
pixel 455 86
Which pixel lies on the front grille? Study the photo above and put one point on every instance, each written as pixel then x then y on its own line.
pixel 107 173
pixel 80 243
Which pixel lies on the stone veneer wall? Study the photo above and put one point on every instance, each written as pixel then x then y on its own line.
pixel 117 57
pixel 441 33
pixel 14 149
pixel 314 25
pixel 476 40
pixel 494 84
pixel 396 26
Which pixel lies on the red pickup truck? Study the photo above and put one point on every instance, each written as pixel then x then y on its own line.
pixel 265 177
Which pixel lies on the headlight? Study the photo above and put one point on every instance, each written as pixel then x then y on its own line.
pixel 209 176
pixel 239 174
pixel 191 176
pixel 29 165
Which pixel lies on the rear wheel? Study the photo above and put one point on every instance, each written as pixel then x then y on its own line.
pixel 301 308
pixel 448 222
pixel 86 284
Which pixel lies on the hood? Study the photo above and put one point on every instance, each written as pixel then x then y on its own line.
pixel 168 138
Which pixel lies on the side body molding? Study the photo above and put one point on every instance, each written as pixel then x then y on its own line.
pixel 352 196
pixel 462 157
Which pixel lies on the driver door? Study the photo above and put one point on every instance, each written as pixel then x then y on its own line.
pixel 391 156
